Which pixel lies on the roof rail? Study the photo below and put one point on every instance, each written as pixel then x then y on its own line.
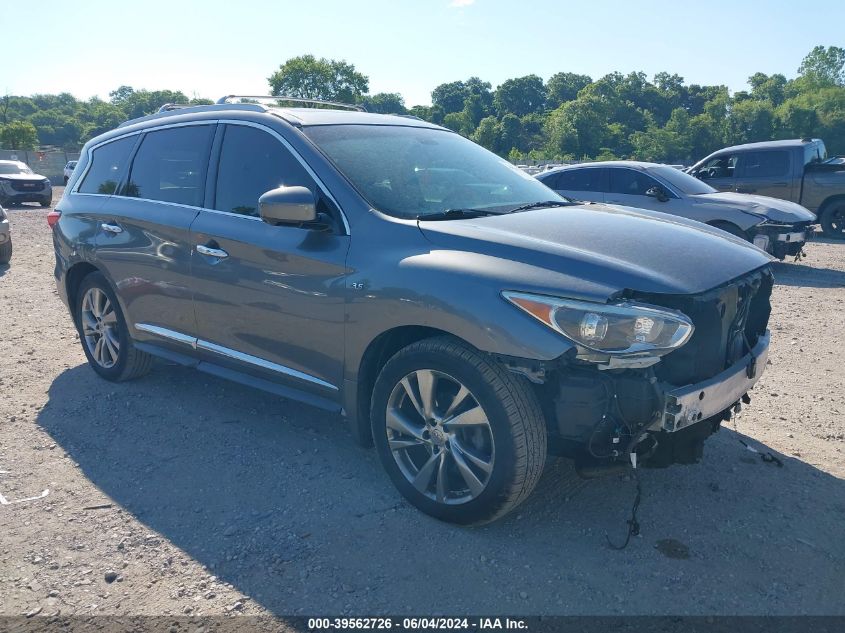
pixel 277 98
pixel 167 107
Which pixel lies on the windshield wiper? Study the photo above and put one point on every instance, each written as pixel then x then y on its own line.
pixel 543 204
pixel 455 214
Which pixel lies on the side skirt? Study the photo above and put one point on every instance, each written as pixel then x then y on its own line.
pixel 291 393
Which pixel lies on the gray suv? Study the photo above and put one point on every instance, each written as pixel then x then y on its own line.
pixel 460 315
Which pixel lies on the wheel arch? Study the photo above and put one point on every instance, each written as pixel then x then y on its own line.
pixel 73 280
pixel 829 201
pixel 376 354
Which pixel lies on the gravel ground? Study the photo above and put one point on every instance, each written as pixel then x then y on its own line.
pixel 183 494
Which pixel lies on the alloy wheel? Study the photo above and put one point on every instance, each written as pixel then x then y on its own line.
pixel 440 437
pixel 99 328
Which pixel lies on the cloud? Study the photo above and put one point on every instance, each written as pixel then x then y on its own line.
pixel 461 3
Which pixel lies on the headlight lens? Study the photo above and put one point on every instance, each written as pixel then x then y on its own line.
pixel 616 329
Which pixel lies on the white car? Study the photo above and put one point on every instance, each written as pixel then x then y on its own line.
pixel 69 169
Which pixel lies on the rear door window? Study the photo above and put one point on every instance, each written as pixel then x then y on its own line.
pixel 107 164
pixel 769 164
pixel 170 165
pixel 589 179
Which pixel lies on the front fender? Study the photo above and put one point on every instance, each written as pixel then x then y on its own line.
pixel 454 292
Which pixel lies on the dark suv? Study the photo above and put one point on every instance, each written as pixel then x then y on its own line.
pixel 456 311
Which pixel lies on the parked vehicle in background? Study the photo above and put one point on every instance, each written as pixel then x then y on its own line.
pixel 393 271
pixel 69 169
pixel 798 170
pixel 5 238
pixel 18 183
pixel 776 226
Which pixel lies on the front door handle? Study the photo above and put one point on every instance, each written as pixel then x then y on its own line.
pixel 111 228
pixel 219 253
pixel 745 190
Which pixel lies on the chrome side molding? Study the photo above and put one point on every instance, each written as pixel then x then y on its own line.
pixel 208 346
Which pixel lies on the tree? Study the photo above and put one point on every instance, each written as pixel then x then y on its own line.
pixel 452 96
pixel 520 96
pixel 511 133
pixel 327 79
pixel 563 87
pixel 455 121
pixel 384 103
pixel 474 110
pixel 825 66
pixel 769 88
pixel 19 135
pixel 487 134
pixel 750 121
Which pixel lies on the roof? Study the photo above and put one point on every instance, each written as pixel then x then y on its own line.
pixel 792 142
pixel 632 164
pixel 324 116
pixel 294 116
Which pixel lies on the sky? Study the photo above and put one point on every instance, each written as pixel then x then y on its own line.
pixel 218 47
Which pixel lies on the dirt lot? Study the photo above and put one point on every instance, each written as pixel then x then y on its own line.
pixel 183 494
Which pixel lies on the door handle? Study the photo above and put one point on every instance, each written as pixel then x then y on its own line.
pixel 219 253
pixel 745 190
pixel 111 228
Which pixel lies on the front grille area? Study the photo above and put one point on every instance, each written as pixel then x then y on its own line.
pixel 728 321
pixel 27 186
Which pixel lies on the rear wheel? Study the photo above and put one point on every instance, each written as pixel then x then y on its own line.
pixel 832 219
pixel 46 203
pixel 6 252
pixel 462 439
pixel 103 333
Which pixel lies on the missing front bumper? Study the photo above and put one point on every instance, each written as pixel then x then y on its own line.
pixel 688 405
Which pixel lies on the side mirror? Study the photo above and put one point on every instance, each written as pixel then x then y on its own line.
pixel 288 205
pixel 657 192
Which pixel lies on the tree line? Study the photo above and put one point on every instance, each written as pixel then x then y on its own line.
pixel 569 117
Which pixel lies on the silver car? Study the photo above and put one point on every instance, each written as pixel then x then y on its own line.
pixel 776 226
pixel 5 238
pixel 68 170
pixel 18 183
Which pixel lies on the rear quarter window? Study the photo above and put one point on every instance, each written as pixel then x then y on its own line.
pixel 107 164
pixel 579 180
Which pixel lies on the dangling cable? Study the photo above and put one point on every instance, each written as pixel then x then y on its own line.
pixel 633 524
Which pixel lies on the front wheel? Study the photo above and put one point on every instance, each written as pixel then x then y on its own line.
pixel 462 438
pixel 46 203
pixel 832 219
pixel 102 330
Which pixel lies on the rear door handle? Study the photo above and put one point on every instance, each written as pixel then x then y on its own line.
pixel 111 228
pixel 219 253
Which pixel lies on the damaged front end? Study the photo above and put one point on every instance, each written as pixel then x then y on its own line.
pixel 657 409
pixel 782 239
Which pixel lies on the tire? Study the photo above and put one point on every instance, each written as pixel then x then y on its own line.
pixel 66 179
pixel 731 228
pixel 113 362
pixel 45 203
pixel 832 219
pixel 6 252
pixel 501 438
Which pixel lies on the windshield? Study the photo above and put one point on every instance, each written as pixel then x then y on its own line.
pixel 14 168
pixel 414 172
pixel 683 182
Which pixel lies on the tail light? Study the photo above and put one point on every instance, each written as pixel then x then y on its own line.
pixel 53 217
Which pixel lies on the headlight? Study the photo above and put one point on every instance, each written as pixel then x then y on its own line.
pixel 621 329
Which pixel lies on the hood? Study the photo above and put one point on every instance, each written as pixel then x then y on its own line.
pixel 24 177
pixel 596 251
pixel 772 208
